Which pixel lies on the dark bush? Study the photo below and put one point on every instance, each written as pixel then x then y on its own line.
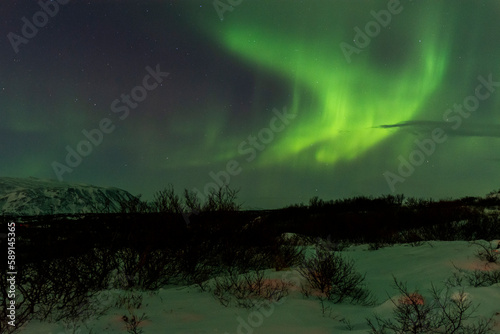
pixel 335 277
pixel 441 313
pixel 146 270
pixel 247 289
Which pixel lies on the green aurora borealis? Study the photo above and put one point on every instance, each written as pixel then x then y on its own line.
pixel 354 116
pixel 348 98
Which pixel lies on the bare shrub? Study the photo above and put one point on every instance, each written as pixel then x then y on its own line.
pixel 69 287
pixel 288 256
pixel 155 269
pixel 476 278
pixel 134 205
pixel 482 278
pixel 191 201
pixel 146 270
pixel 335 277
pixel 132 301
pixel 128 261
pixel 331 245
pixel 166 201
pixel 24 308
pixel 279 255
pixel 223 199
pixel 373 246
pixel 486 252
pixel 443 312
pixel 245 290
pixel 63 289
pixel 196 265
pixel 132 323
pixel 200 275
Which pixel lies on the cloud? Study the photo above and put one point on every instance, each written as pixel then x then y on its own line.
pixel 464 130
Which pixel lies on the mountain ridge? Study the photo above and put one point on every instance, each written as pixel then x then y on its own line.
pixel 33 196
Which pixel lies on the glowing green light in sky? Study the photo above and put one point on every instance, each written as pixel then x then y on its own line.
pixel 346 100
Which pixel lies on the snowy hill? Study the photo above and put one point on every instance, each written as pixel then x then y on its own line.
pixel 32 196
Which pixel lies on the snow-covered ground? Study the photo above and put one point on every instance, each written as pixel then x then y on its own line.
pixel 187 310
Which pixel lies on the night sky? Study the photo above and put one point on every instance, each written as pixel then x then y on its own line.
pixel 285 99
